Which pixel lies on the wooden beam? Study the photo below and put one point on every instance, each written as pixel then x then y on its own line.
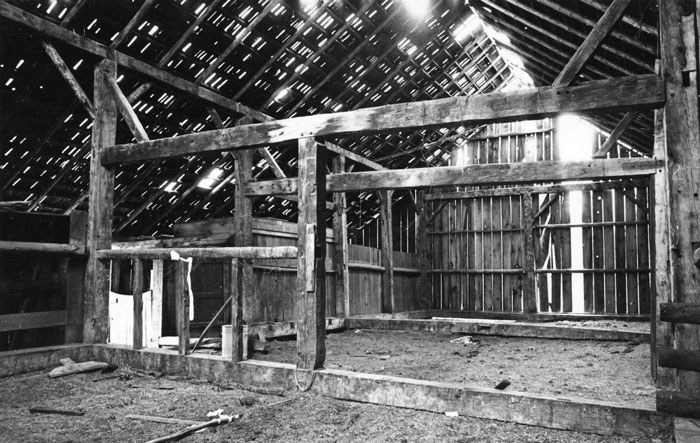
pixel 340 234
pixel 491 174
pixel 495 327
pixel 44 248
pixel 388 303
pixel 130 117
pixel 422 249
pixel 678 403
pixel 50 29
pixel 69 77
pixel 530 282
pixel 243 230
pixel 520 407
pixel 311 278
pixel 99 235
pixel 591 43
pixel 612 140
pixel 233 289
pixel 137 294
pixel 678 43
pixel 677 359
pixel 182 307
pixel 140 14
pixel 687 313
pixel 32 320
pixel 611 95
pixel 470 175
pixel 354 157
pixel 242 252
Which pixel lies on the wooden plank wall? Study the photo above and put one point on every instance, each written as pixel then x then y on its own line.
pixel 275 280
pixel 477 244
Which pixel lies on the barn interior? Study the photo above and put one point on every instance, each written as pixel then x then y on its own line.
pixel 402 203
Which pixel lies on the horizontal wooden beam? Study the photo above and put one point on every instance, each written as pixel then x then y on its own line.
pixel 679 359
pixel 58 32
pixel 32 320
pixel 487 327
pixel 681 312
pixel 230 252
pixel 470 175
pixel 49 248
pixel 468 401
pixel 682 404
pixel 287 328
pixel 610 95
pixel 354 157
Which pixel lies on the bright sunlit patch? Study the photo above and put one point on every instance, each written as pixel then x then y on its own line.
pixel 211 178
pixel 574 137
pixel 417 8
pixel 467 28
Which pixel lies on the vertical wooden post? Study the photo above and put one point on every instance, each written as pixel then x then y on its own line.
pixel 243 224
pixel 679 67
pixel 182 307
pixel 154 328
pixel 137 293
pixel 422 250
pixel 232 288
pixel 340 232
pixel 529 284
pixel 99 234
pixel 311 289
pixel 388 297
pixel 75 280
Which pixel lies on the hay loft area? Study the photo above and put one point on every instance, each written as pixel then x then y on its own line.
pixel 466 220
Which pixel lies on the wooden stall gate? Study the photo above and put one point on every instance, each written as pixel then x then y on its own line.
pixel 587 251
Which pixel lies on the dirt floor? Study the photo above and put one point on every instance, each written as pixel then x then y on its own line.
pixel 300 418
pixel 598 370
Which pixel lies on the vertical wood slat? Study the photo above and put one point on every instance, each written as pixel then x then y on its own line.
pixel 587 234
pixel 233 288
pixel 388 298
pixel 497 252
pixel 311 309
pixel 340 231
pixel 478 222
pixel 517 252
pixel 422 250
pixel 529 285
pixel 555 258
pixel 631 213
pixel 137 294
pixel 645 296
pixel 598 253
pixel 566 279
pixel 508 281
pixel 609 253
pixel 471 256
pixel 182 307
pixel 454 291
pixel 542 246
pixel 621 290
pixel 99 235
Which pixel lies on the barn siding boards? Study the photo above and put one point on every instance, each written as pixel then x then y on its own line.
pixel 612 95
pixel 311 278
pixel 99 231
pixel 678 43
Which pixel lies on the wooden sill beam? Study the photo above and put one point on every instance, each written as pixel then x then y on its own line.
pixel 611 95
pixel 32 320
pixel 470 175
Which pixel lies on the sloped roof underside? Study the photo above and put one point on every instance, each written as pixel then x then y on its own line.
pixel 284 60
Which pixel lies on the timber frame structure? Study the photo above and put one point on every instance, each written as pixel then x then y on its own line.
pixel 654 111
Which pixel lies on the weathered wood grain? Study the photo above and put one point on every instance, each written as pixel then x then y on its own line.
pixel 246 252
pixel 688 313
pixel 612 95
pixel 674 358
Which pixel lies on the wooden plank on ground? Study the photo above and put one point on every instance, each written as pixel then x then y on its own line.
pixel 496 327
pixel 77 368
